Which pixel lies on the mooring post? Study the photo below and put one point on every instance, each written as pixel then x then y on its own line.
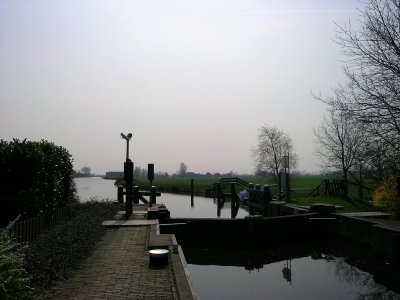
pixel 233 200
pixel 279 185
pixel 120 194
pixel 288 199
pixel 153 195
pixel 192 192
pixel 135 194
pixel 128 176
pixel 266 199
pixel 218 199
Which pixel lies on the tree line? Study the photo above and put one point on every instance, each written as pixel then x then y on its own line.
pixel 359 136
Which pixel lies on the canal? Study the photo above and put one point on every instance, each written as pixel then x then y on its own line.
pixel 324 269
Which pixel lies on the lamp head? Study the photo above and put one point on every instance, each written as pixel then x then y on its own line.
pixel 128 137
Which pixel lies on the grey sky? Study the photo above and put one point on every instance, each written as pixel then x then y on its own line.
pixel 192 80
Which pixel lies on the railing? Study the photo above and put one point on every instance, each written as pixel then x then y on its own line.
pixel 330 188
pixel 25 231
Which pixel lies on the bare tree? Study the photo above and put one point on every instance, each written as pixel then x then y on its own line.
pixel 340 142
pixel 273 144
pixel 372 91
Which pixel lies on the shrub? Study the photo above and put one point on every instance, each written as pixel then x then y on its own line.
pixel 56 254
pixel 35 176
pixel 14 281
pixel 385 196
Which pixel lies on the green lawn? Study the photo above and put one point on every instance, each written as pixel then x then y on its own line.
pixel 301 185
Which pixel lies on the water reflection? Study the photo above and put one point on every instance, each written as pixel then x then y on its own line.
pixel 318 271
pixel 180 206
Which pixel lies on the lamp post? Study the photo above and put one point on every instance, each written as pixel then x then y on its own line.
pixel 127 138
pixel 128 177
pixel 285 166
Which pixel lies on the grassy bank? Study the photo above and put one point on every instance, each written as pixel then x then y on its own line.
pixel 301 185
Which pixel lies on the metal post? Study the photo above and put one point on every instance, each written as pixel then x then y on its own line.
pixel 120 194
pixel 219 199
pixel 128 176
pixel 279 186
pixel 233 198
pixel 135 194
pixel 153 195
pixel 192 192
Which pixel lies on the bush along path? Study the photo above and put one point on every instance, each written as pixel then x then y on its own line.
pixel 118 269
pixel 57 254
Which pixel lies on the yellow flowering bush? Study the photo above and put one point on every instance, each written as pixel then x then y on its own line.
pixel 385 196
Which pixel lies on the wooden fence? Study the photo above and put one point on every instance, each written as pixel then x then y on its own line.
pixel 330 188
pixel 25 231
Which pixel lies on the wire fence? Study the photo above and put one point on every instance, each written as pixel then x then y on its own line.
pixel 26 230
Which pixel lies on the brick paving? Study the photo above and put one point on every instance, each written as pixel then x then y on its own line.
pixel 119 269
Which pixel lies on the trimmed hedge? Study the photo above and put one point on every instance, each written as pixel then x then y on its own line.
pixel 35 176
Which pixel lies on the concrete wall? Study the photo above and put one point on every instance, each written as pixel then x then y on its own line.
pixel 249 231
pixel 384 240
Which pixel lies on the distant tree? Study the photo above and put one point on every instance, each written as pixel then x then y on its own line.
pixel 340 143
pixel 182 169
pixel 273 144
pixel 86 171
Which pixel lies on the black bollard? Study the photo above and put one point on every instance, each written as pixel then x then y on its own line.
pixel 120 194
pixel 135 194
pixel 153 195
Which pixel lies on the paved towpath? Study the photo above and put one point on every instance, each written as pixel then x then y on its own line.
pixel 119 269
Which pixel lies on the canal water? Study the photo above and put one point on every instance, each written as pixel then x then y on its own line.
pixel 324 270
pixel 178 205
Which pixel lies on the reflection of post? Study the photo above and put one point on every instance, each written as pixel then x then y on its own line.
pixel 287 271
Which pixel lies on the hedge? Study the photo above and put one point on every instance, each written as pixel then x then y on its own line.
pixel 35 176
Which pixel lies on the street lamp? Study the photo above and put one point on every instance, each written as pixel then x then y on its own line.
pixel 128 177
pixel 127 138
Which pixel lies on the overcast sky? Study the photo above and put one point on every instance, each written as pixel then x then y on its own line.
pixel 192 80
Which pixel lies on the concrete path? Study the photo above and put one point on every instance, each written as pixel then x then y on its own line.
pixel 119 269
